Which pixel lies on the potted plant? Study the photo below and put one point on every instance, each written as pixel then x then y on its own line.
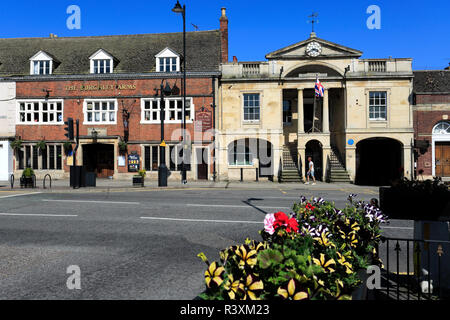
pixel 138 179
pixel 41 145
pixel 317 253
pixel 123 147
pixel 27 179
pixel 415 199
pixel 16 144
pixel 67 146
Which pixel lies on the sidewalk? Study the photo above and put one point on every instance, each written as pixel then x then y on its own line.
pixel 106 184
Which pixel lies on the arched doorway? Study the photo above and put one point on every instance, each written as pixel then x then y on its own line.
pixel 243 152
pixel 378 161
pixel 314 150
pixel 441 149
pixel 99 158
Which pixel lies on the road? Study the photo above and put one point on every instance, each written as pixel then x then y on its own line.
pixel 133 244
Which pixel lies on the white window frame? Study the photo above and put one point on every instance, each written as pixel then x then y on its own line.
pixel 40 58
pixel 168 102
pixel 386 106
pixel 167 53
pixel 100 111
pixel 249 121
pixel 97 58
pixel 29 109
pixel 437 136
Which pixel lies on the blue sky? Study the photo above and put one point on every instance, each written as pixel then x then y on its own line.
pixel 409 29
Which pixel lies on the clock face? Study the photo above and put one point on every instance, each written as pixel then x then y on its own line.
pixel 313 49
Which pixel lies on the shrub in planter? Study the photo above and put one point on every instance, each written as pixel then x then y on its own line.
pixel 28 173
pixel 41 145
pixel 138 180
pixel 315 253
pixel 123 146
pixel 27 178
pixel 415 199
pixel 16 144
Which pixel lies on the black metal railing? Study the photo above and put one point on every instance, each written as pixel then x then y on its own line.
pixel 416 271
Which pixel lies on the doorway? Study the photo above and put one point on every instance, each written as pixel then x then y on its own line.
pixel 442 159
pixel 379 161
pixel 99 158
pixel 202 163
pixel 314 150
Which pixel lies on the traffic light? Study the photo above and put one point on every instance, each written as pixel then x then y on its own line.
pixel 69 128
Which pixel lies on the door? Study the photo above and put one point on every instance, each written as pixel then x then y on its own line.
pixel 202 164
pixel 442 159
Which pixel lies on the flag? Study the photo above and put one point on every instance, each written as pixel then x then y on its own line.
pixel 319 88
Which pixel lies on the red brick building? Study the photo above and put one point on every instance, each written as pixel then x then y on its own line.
pixel 431 123
pixel 112 85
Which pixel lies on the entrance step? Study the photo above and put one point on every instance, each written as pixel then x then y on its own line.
pixel 290 176
pixel 338 172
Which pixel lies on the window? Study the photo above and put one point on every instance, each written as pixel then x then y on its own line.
pixel 102 66
pixel 100 111
pixel 40 112
pixel 29 156
pixel 239 153
pixel 377 105
pixel 287 112
pixel 173 110
pixel 442 128
pixel 167 61
pixel 41 67
pixel 251 107
pixel 174 154
pixel 42 63
pixel 168 65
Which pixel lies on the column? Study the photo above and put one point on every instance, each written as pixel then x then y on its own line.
pixel 301 127
pixel 325 117
pixel 302 162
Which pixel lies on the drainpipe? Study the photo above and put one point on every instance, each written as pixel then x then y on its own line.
pixel 214 127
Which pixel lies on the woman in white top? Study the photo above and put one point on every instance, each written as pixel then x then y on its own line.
pixel 310 171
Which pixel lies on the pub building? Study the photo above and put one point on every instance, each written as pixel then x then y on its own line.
pixel 111 84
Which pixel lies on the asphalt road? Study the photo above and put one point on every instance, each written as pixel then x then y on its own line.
pixel 133 245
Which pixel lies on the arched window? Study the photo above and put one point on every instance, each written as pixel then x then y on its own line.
pixel 239 153
pixel 442 128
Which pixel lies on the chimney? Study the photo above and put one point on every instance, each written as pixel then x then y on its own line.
pixel 224 35
pixel 235 60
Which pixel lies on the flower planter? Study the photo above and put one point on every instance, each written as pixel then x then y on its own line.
pixel 413 204
pixel 138 181
pixel 27 182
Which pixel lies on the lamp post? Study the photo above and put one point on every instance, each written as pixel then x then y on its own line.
pixel 162 169
pixel 178 9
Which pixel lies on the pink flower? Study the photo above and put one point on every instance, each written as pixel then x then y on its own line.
pixel 268 223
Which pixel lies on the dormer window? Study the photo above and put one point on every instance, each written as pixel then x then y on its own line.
pixel 102 62
pixel 167 61
pixel 41 64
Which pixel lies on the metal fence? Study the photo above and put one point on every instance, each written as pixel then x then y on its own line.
pixel 413 269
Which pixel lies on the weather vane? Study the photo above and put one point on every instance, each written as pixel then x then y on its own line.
pixel 313 19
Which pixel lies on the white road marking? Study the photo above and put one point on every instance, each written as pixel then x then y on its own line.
pixel 38 215
pixel 93 201
pixel 201 220
pixel 234 206
pixel 20 195
pixel 406 228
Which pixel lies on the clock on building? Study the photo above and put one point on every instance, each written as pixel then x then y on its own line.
pixel 313 49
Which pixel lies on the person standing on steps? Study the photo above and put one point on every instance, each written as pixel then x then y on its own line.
pixel 310 171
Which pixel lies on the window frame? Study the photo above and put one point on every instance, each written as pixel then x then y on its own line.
pixel 189 103
pixel 40 111
pixel 41 58
pixel 100 111
pixel 35 157
pixel 379 106
pixel 168 53
pixel 250 121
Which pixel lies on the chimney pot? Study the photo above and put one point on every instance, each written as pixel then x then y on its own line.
pixel 235 59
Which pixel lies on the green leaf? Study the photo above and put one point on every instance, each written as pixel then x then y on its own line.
pixel 268 258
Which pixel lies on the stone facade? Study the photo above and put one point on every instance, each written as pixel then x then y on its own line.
pixel 342 118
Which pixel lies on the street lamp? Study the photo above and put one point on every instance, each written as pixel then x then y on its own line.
pixel 162 169
pixel 178 9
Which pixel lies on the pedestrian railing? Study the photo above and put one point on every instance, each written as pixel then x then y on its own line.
pixel 413 269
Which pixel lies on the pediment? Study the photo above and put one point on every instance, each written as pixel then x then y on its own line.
pixel 329 50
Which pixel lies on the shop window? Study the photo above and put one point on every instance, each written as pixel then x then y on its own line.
pixel 173 110
pixel 40 112
pixel 100 112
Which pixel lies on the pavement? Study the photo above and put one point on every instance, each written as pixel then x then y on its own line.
pixel 138 243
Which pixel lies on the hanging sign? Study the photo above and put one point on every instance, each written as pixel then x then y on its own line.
pixel 203 121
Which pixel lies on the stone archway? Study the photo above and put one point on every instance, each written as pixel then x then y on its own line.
pixel 379 161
